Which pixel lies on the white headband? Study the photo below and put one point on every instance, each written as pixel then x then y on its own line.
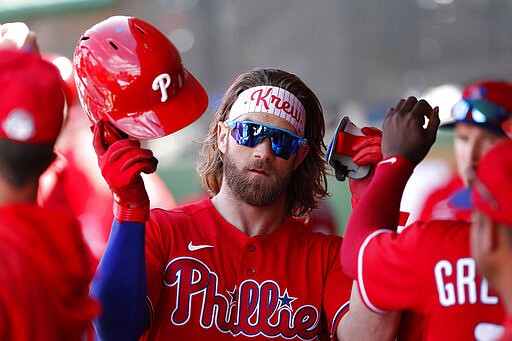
pixel 271 100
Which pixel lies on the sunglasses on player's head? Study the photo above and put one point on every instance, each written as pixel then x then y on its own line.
pixel 247 133
pixel 486 112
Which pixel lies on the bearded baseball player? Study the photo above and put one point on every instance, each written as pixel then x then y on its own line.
pixel 427 268
pixel 237 264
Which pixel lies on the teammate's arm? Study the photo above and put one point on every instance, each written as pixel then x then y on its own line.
pixel 405 142
pixel 120 281
pixel 360 323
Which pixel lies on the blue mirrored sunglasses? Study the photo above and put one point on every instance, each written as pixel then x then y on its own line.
pixel 247 133
pixel 486 113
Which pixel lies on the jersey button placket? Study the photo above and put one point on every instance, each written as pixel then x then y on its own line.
pixel 251 249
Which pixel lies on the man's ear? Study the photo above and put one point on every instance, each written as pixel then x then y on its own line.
pixel 491 236
pixel 494 239
pixel 302 152
pixel 222 137
pixel 504 238
pixel 507 127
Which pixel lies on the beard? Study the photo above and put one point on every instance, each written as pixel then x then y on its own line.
pixel 255 191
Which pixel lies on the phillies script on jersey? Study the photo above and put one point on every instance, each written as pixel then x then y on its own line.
pixel 208 279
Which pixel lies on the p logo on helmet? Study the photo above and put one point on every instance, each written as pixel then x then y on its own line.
pixel 162 82
pixel 130 74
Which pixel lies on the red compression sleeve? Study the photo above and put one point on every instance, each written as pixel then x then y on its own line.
pixel 378 208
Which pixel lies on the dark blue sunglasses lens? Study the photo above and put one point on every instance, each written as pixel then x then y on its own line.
pixel 247 134
pixel 251 134
pixel 460 110
pixel 283 144
pixel 487 112
pixel 478 116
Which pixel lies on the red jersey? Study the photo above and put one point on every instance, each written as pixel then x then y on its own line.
pixel 428 269
pixel 209 281
pixel 507 333
pixel 45 275
pixel 438 205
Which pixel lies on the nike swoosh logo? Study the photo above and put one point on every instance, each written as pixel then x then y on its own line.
pixel 391 160
pixel 193 247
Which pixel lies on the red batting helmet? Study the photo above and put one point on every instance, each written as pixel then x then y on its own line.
pixel 129 74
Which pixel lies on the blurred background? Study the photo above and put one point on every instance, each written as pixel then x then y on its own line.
pixel 359 57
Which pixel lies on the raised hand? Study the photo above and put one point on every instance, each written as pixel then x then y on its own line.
pixel 404 132
pixel 17 35
pixel 368 150
pixel 121 165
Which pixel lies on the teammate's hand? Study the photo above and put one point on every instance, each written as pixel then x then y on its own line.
pixel 368 150
pixel 121 165
pixel 17 35
pixel 403 131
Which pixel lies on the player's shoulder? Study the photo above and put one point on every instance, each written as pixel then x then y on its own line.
pixel 36 215
pixel 186 210
pixel 305 235
pixel 438 229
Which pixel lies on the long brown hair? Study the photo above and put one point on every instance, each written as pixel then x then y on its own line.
pixel 309 181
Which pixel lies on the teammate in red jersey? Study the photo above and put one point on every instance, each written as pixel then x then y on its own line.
pixel 477 119
pixel 491 238
pixel 476 122
pixel 491 230
pixel 46 266
pixel 427 268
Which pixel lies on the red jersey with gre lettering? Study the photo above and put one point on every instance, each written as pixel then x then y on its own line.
pixel 209 281
pixel 428 269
